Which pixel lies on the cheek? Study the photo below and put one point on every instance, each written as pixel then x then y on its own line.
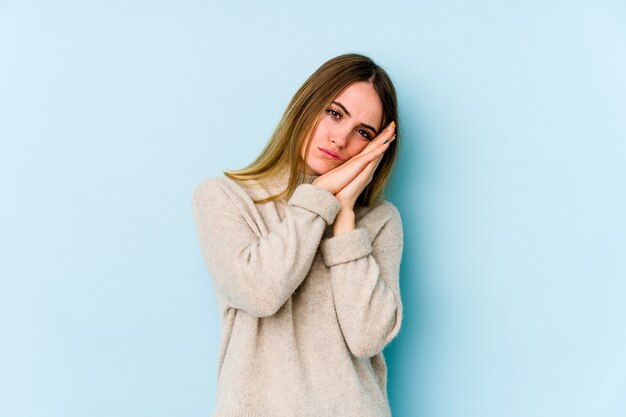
pixel 357 147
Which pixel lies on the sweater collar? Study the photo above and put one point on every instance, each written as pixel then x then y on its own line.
pixel 305 178
pixel 282 178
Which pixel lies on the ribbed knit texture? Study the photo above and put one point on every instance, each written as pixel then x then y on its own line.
pixel 305 314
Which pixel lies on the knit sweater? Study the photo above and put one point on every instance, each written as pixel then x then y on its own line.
pixel 305 314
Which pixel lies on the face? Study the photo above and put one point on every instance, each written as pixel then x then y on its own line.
pixel 345 128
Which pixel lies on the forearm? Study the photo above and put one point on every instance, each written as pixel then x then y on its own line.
pixel 258 272
pixel 344 222
pixel 365 276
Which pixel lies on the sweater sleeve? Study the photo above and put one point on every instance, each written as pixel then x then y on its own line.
pixel 255 273
pixel 365 283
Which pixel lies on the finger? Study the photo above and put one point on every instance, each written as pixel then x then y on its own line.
pixel 385 134
pixel 376 163
pixel 369 170
pixel 375 152
pixel 365 164
pixel 382 140
pixel 373 164
pixel 380 158
pixel 355 165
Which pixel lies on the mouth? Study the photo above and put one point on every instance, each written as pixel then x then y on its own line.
pixel 329 154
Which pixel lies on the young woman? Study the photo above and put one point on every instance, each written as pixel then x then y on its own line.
pixel 305 254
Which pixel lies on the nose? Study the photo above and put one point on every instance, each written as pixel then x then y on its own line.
pixel 340 137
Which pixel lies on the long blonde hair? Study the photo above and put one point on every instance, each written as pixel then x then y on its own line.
pixel 302 115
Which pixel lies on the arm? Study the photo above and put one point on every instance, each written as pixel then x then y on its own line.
pixel 258 274
pixel 365 283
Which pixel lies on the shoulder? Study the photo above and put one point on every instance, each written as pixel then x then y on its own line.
pixel 218 182
pixel 390 216
pixel 223 193
pixel 217 189
pixel 383 211
pixel 390 210
pixel 208 186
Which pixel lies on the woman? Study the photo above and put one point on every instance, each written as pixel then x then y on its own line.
pixel 305 254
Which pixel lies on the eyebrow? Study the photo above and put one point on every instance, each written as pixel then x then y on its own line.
pixel 348 113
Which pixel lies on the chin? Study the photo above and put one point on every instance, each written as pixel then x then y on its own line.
pixel 319 167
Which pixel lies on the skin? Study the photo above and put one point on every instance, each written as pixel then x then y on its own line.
pixel 360 148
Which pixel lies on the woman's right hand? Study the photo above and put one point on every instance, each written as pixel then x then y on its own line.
pixel 340 176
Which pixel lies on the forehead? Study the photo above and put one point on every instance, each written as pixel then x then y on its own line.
pixel 363 103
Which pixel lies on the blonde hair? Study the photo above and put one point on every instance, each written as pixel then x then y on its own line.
pixel 302 115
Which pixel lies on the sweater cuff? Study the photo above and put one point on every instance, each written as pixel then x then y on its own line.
pixel 346 246
pixel 316 199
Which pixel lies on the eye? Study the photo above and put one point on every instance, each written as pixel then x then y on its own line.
pixel 365 134
pixel 337 115
pixel 333 113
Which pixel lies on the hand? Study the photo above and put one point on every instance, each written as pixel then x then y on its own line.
pixel 339 177
pixel 348 195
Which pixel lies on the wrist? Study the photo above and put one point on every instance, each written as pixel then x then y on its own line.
pixel 345 221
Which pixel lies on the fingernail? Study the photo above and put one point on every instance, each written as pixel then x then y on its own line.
pixel 391 124
pixel 386 141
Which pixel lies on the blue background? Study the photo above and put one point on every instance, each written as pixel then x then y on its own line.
pixel 510 182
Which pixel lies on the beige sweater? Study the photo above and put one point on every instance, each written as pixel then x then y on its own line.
pixel 305 314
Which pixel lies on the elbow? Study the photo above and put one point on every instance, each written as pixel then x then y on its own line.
pixel 366 348
pixel 366 344
pixel 363 350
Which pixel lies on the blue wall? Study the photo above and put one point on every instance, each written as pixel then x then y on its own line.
pixel 511 185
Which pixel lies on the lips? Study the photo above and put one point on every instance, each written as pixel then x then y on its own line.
pixel 330 153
